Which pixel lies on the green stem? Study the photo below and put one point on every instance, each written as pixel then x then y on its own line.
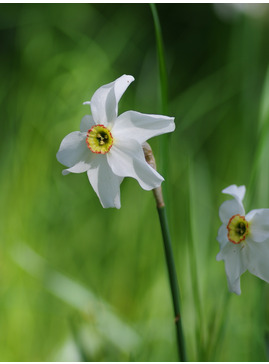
pixel 163 88
pixel 161 59
pixel 168 255
pixel 173 280
pixel 200 329
pixel 158 192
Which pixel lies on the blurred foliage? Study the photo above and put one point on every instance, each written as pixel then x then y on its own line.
pixel 82 283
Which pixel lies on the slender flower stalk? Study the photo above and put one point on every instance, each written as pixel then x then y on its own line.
pixel 158 190
pixel 168 256
pixel 173 280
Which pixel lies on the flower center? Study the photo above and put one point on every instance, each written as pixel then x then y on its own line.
pixel 238 229
pixel 99 139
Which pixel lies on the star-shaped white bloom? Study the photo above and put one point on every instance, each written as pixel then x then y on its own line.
pixel 109 147
pixel 244 239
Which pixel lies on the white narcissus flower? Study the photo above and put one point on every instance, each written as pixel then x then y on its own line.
pixel 244 239
pixel 109 147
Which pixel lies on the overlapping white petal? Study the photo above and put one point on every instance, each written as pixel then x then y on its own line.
pixel 104 103
pixel 73 151
pixel 104 182
pixel 229 209
pixel 250 254
pixel 124 157
pixel 86 123
pixel 235 260
pixel 222 235
pixel 259 224
pixel 141 127
pixel 235 191
pixel 127 159
pixel 258 260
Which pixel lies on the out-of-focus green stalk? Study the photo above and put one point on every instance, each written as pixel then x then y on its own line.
pixel 200 331
pixel 218 325
pixel 260 158
pixel 79 345
pixel 163 88
pixel 158 192
pixel 161 59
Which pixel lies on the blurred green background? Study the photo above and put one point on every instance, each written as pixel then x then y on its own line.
pixel 78 282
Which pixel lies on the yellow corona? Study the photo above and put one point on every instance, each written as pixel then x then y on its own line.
pixel 238 229
pixel 99 139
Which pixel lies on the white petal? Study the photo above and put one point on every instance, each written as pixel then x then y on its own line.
pixel 236 192
pixel 104 103
pixel 104 182
pixel 126 159
pixel 86 123
pixel 235 260
pixel 222 235
pixel 80 167
pixel 259 224
pixel 258 259
pixel 74 151
pixel 230 208
pixel 142 127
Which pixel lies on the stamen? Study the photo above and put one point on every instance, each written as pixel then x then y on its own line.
pixel 99 139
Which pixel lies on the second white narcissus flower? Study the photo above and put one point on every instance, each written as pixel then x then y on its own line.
pixel 109 147
pixel 244 239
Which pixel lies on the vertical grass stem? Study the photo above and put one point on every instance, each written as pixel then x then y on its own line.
pixel 163 88
pixel 161 59
pixel 158 191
